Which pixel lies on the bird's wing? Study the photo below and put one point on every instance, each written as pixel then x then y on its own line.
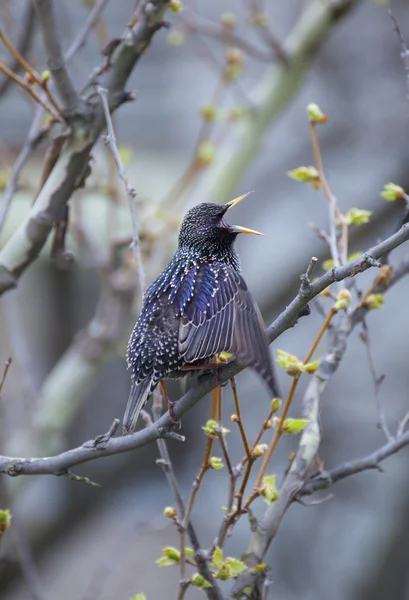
pixel 221 315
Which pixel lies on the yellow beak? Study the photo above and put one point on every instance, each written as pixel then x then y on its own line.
pixel 237 228
pixel 237 200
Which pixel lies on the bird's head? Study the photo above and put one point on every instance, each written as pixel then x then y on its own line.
pixel 204 227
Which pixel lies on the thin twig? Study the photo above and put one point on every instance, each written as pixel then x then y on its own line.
pixel 110 140
pixel 5 371
pixel 165 462
pixel 29 89
pixel 225 36
pixel 265 33
pixel 279 428
pixel 402 425
pixel 239 419
pixel 338 255
pixel 377 381
pixel 404 52
pixel 90 22
pixel 35 77
pixel 196 165
pixel 23 43
pixel 372 461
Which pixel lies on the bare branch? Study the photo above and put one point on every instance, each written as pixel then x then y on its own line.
pixel 87 452
pixel 110 140
pixel 372 461
pixel 377 380
pixel 90 21
pixel 226 36
pixel 56 63
pixel 278 87
pixel 23 43
pixel 404 52
pixel 24 246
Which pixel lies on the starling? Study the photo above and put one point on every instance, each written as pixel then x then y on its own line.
pixel 197 308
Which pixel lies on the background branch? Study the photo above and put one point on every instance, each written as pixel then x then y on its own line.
pixel 56 63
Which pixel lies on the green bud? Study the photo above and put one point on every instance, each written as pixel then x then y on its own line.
pixel 259 450
pixel 216 463
pixel 391 191
pixel 172 553
pixel 224 573
pixel 269 490
pixel 175 38
pixel 209 112
pixel 206 152
pixel 275 405
pixel 343 300
pixel 260 19
pixel 315 114
pixel 292 365
pixel 357 216
pixel 175 6
pixel 228 20
pixel 306 175
pixel 169 512
pixel 45 76
pixel 374 301
pixel 213 429
pixel 5 519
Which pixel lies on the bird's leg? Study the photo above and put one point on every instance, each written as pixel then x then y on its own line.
pixel 169 402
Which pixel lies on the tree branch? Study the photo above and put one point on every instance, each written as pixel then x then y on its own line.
pixel 90 21
pixel 56 63
pixel 24 246
pixel 279 87
pixel 54 464
pixel 110 140
pixel 23 44
pixel 372 461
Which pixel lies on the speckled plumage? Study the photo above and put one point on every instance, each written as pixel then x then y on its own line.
pixel 198 307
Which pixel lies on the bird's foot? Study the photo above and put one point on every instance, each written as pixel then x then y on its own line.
pixel 171 413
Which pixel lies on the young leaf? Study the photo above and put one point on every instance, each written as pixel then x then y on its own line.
pixel 357 216
pixel 312 366
pixel 294 425
pixel 199 581
pixel 391 191
pixel 237 566
pixel 305 175
pixel 164 561
pixel 217 557
pixel 216 463
pixel 139 597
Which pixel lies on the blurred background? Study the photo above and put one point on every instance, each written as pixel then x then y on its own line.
pixel 67 329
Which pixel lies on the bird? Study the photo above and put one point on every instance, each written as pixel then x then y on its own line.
pixel 197 308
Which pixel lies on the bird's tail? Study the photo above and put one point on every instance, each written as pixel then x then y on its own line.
pixel 138 396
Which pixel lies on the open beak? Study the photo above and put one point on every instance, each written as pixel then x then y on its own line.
pixel 237 228
pixel 236 200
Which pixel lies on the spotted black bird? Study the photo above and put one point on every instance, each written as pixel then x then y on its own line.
pixel 197 308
